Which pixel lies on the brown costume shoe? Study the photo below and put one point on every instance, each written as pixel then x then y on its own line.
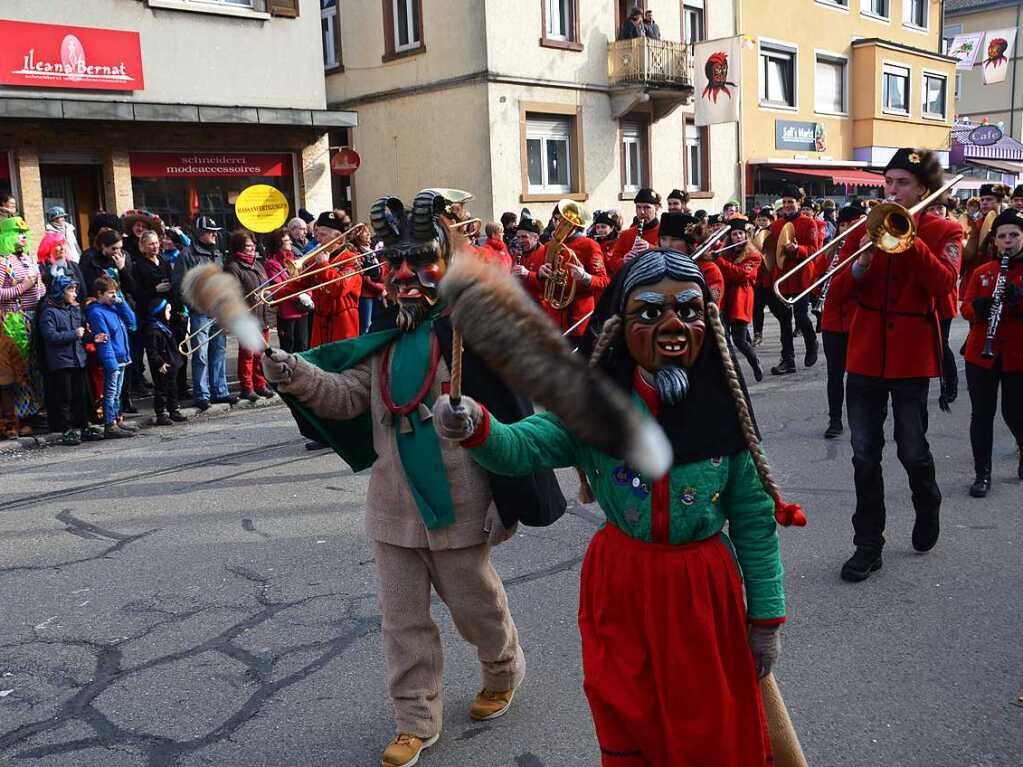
pixel 490 704
pixel 405 750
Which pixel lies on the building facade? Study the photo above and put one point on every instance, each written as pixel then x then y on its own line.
pixel 525 102
pixel 170 105
pixel 831 88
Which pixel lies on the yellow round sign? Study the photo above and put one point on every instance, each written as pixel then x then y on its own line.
pixel 261 208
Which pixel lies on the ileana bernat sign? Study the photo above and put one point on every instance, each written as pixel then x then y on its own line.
pixel 55 56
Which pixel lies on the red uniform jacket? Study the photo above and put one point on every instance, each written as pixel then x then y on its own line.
pixel 894 331
pixel 590 256
pixel 808 239
pixel 624 244
pixel 715 282
pixel 496 252
pixel 532 261
pixel 740 279
pixel 1009 340
pixel 945 239
pixel 837 315
pixel 336 316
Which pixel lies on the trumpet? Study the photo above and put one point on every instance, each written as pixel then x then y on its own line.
pixel 559 287
pixel 890 227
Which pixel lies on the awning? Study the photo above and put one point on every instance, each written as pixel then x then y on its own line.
pixel 1002 166
pixel 962 149
pixel 848 176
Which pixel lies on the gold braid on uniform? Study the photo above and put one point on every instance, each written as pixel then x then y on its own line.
pixel 785 513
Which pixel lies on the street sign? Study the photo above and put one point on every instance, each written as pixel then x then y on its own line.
pixel 345 162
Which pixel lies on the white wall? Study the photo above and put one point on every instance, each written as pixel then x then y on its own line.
pixel 197 58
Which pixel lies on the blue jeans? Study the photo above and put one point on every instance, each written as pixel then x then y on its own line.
pixel 113 382
pixel 210 359
pixel 365 314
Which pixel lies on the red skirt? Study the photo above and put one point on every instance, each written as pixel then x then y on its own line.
pixel 667 666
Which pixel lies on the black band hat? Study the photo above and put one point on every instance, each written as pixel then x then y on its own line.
pixel 675 225
pixel 647 196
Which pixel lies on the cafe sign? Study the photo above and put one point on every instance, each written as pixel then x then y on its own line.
pixel 57 56
pixel 799 136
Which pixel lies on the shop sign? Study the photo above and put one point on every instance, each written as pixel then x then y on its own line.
pixel 801 136
pixel 345 162
pixel 261 208
pixel 55 56
pixel 208 165
pixel 986 135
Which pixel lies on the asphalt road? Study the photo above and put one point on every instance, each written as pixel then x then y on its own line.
pixel 203 595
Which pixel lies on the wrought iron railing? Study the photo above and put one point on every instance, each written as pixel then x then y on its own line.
pixel 644 61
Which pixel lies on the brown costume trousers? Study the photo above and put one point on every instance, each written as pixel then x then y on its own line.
pixel 467 583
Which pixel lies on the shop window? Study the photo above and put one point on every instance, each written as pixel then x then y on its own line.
pixel 829 86
pixel 693 29
pixel 777 76
pixel 635 153
pixel 560 24
pixel 330 27
pixel 915 13
pixel 895 89
pixel 876 8
pixel 697 161
pixel 403 28
pixel 935 87
pixel 548 154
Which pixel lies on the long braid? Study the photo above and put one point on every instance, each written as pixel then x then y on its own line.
pixel 608 333
pixel 786 514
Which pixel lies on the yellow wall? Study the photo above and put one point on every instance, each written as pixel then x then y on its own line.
pixel 814 26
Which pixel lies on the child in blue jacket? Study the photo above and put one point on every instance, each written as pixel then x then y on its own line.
pixel 110 319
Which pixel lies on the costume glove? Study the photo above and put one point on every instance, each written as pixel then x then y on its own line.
pixel 278 365
pixel 494 527
pixel 765 643
pixel 982 306
pixel 456 423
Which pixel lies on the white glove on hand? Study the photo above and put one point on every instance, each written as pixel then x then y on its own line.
pixel 456 423
pixel 765 643
pixel 494 527
pixel 278 366
pixel 307 301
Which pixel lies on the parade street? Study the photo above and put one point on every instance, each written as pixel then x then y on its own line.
pixel 204 595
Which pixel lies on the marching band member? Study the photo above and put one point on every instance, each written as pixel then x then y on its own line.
pixel 762 289
pixel 836 317
pixel 807 240
pixel 532 256
pixel 671 654
pixel 982 308
pixel 336 312
pixel 894 349
pixel 978 250
pixel 678 201
pixel 606 230
pixel 1017 197
pixel 432 513
pixel 637 238
pixel 588 273
pixel 740 268
pixel 680 232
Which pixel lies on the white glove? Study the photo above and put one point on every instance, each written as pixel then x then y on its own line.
pixel 307 301
pixel 495 529
pixel 278 366
pixel 456 423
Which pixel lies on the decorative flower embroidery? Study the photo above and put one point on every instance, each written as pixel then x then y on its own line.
pixel 914 158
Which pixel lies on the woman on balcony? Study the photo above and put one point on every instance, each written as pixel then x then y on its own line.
pixel 633 26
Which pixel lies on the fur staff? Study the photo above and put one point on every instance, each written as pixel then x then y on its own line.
pixel 502 325
pixel 219 295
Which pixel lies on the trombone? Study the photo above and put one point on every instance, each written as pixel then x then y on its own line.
pixel 270 297
pixel 889 226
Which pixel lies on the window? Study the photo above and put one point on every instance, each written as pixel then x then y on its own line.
pixel 548 154
pixel 916 13
pixel 895 89
pixel 934 95
pixel 403 28
pixel 634 155
pixel 777 76
pixel 561 24
pixel 696 162
pixel 842 3
pixel 330 26
pixel 693 29
pixel 876 8
pixel 829 90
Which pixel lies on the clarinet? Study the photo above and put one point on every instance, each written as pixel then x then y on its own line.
pixel 997 303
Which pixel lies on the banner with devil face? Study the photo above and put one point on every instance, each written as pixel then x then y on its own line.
pixel 997 53
pixel 717 64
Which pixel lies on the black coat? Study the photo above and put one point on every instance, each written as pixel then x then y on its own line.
pixel 94 264
pixel 161 348
pixel 58 326
pixel 147 276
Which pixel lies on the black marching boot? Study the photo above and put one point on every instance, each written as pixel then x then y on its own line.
pixel 861 564
pixel 981 485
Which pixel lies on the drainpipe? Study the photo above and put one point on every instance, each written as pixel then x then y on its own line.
pixel 1015 61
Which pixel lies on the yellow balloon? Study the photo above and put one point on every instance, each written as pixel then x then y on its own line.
pixel 261 208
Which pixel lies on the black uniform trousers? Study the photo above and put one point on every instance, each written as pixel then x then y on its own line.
pixel 983 386
pixel 293 335
pixel 67 399
pixel 761 295
pixel 836 346
pixel 948 359
pixel 867 398
pixel 739 331
pixel 785 314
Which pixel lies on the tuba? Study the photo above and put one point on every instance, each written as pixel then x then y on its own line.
pixel 559 288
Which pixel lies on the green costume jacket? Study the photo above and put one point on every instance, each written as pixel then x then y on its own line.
pixel 692 504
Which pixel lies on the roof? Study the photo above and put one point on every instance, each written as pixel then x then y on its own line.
pixel 863 41
pixel 959 7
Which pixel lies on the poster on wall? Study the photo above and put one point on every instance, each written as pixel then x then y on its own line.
pixel 998 44
pixel 718 69
pixel 964 49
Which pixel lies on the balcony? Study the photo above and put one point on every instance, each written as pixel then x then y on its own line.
pixel 659 72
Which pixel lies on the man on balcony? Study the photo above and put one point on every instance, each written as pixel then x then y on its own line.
pixel 633 26
pixel 650 26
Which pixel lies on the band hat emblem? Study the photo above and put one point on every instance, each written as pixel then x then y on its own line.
pixel 914 158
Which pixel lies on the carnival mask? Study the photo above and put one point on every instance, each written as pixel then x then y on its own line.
pixel 664 332
pixel 414 276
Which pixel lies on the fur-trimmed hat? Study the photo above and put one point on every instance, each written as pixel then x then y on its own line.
pixel 738 223
pixel 678 194
pixel 994 190
pixel 793 191
pixel 648 196
pixel 922 163
pixel 328 220
pixel 767 211
pixel 1018 191
pixel 529 224
pixel 1010 216
pixel 605 217
pixel 675 225
pixel 850 213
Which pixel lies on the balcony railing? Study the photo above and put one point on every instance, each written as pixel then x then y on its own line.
pixel 642 61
